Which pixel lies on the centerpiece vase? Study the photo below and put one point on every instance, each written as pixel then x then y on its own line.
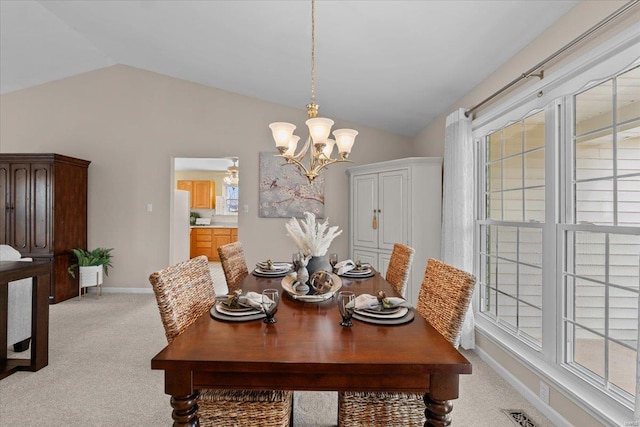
pixel 317 263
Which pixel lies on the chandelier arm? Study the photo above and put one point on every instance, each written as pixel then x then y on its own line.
pixel 303 150
pixel 290 160
pixel 332 161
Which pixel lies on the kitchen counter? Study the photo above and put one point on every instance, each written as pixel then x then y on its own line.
pixel 216 226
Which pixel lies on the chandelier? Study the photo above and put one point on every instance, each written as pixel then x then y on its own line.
pixel 318 145
pixel 232 174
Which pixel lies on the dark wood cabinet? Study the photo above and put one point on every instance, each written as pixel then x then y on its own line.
pixel 43 212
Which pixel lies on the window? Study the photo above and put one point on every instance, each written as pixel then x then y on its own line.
pixel 559 247
pixel 231 198
pixel 511 228
pixel 601 269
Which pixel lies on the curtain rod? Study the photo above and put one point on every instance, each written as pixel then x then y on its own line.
pixel 540 75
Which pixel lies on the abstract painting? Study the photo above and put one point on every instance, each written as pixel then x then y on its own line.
pixel 285 192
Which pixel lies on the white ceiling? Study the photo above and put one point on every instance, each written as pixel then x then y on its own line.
pixel 392 65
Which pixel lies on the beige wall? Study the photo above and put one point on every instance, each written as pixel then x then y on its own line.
pixel 130 123
pixel 430 142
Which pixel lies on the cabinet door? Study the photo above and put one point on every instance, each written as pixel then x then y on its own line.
pixel 217 242
pixel 364 206
pixel 366 257
pixel 19 214
pixel 383 263
pixel 4 203
pixel 203 242
pixel 41 182
pixel 393 202
pixel 234 235
pixel 202 194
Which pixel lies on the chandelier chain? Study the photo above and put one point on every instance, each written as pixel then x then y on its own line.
pixel 318 145
pixel 313 52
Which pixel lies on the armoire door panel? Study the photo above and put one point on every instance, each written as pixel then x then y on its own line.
pixel 366 257
pixel 41 207
pixel 4 203
pixel 364 203
pixel 19 212
pixel 383 263
pixel 393 205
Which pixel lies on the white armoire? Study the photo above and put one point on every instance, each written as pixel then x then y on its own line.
pixel 398 201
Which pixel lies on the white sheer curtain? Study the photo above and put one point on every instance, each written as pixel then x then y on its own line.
pixel 457 205
pixel 637 411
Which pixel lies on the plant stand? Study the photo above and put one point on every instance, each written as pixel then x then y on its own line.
pixel 90 276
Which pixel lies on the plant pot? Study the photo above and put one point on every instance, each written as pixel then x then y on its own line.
pixel 318 263
pixel 91 276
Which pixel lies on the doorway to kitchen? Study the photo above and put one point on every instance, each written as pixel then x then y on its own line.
pixel 204 197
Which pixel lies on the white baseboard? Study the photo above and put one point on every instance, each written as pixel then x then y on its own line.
pixel 547 411
pixel 110 290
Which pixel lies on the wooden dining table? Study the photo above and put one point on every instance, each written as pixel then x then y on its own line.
pixel 307 349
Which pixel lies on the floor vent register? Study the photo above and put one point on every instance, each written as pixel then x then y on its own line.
pixel 519 417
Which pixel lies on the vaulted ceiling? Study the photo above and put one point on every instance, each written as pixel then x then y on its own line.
pixel 392 65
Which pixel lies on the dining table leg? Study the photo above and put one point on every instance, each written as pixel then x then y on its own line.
pixel 185 410
pixel 442 389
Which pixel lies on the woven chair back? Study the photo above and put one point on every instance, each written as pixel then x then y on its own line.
pixel 400 267
pixel 444 298
pixel 184 292
pixel 234 264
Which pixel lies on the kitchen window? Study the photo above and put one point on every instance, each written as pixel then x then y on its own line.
pixel 231 198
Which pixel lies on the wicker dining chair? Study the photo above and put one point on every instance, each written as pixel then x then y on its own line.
pixel 234 264
pixel 185 292
pixel 443 301
pixel 400 267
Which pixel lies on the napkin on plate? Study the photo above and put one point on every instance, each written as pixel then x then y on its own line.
pixel 250 299
pixel 366 301
pixel 274 266
pixel 344 266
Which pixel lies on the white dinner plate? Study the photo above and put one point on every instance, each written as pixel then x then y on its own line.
pixel 382 315
pixel 361 274
pixel 408 317
pixel 269 273
pixel 220 309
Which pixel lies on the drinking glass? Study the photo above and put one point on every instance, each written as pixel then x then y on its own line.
pixel 346 305
pixel 270 300
pixel 333 260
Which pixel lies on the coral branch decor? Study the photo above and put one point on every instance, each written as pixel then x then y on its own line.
pixel 310 236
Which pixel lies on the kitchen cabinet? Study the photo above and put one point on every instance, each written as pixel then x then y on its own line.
pixel 398 201
pixel 207 240
pixel 202 194
pixel 43 212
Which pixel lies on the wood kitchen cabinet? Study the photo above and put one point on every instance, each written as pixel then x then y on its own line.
pixel 207 240
pixel 202 194
pixel 43 212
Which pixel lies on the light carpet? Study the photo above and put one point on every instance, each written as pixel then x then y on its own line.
pixel 99 374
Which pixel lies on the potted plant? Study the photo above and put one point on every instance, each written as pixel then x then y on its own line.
pixel 91 265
